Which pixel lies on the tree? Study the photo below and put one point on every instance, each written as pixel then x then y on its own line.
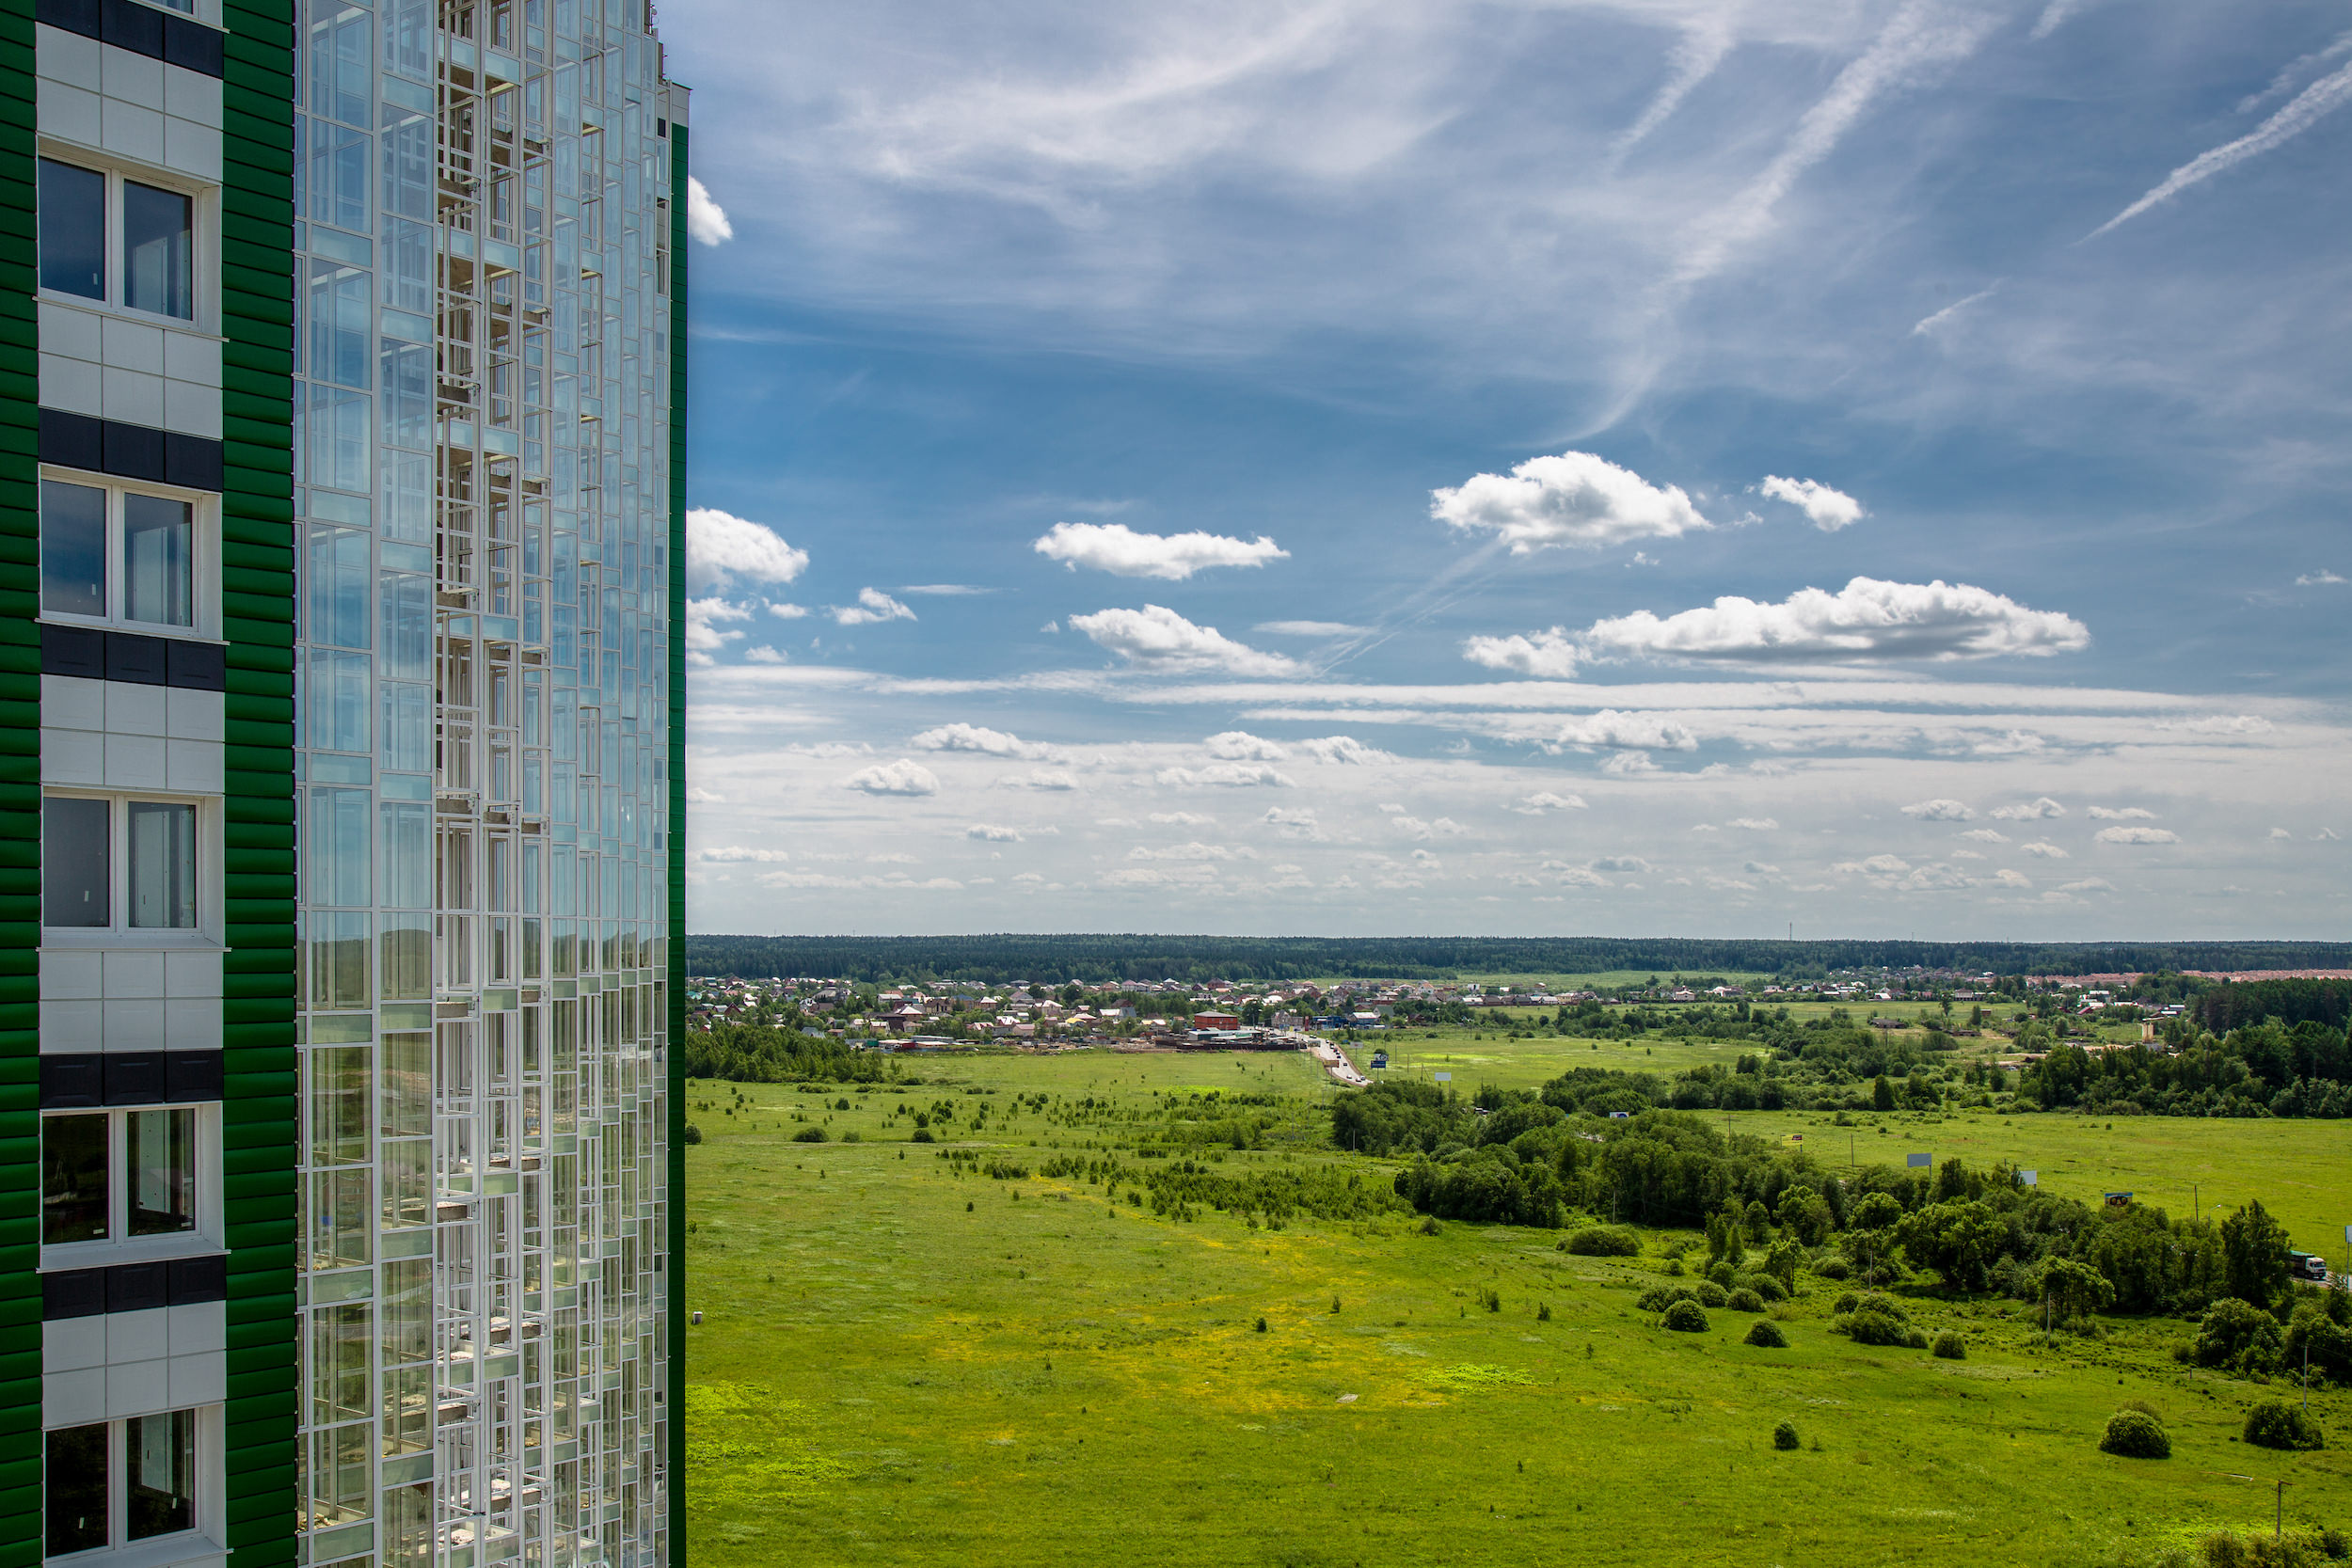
pixel 2254 1257
pixel 1882 1094
pixel 2073 1289
pixel 1806 1215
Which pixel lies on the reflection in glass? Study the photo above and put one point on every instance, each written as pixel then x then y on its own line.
pixel 72 548
pixel 163 1172
pixel 73 869
pixel 156 263
pixel 75 1489
pixel 161 1455
pixel 158 561
pixel 73 1199
pixel 72 230
pixel 163 865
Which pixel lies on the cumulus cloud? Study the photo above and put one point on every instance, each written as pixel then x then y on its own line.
pixel 723 548
pixel 1182 820
pixel 1413 827
pixel 902 777
pixel 2280 832
pixel 706 220
pixel 1876 865
pixel 1545 800
pixel 2089 884
pixel 2006 877
pixel 1629 765
pixel 960 737
pixel 1227 775
pixel 1826 508
pixel 1156 638
pixel 1241 746
pixel 2137 835
pixel 1116 548
pixel 990 834
pixel 2030 810
pixel 1577 876
pixel 704 634
pixel 873 607
pixel 1755 824
pixel 1043 778
pixel 1574 498
pixel 1939 810
pixel 1622 862
pixel 1610 728
pixel 2123 814
pixel 735 854
pixel 1294 824
pixel 1547 655
pixel 1866 620
pixel 1310 629
pixel 1345 748
pixel 2041 848
pixel 1986 835
pixel 2322 578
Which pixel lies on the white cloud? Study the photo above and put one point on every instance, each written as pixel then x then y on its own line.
pixel 1928 325
pixel 944 590
pixel 1116 548
pixel 705 637
pixel 1986 835
pixel 1345 748
pixel 1866 620
pixel 1576 876
pixel 1758 868
pixel 706 220
pixel 2030 810
pixel 2041 848
pixel 722 549
pixel 1876 865
pixel 873 607
pixel 2125 814
pixel 1574 498
pixel 1182 820
pixel 1754 824
pixel 1628 765
pixel 1544 801
pixel 1939 810
pixel 2322 98
pixel 960 737
pixel 1610 728
pixel 1227 775
pixel 2006 877
pixel 1310 628
pixel 786 611
pixel 2137 835
pixel 1547 655
pixel 1413 827
pixel 2317 579
pixel 1826 508
pixel 1156 638
pixel 1622 862
pixel 987 833
pixel 1241 746
pixel 765 655
pixel 1294 824
pixel 2280 832
pixel 737 855
pixel 1195 851
pixel 902 777
pixel 1043 778
pixel 2089 884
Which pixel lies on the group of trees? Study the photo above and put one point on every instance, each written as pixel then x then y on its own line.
pixel 765 1053
pixel 2268 1067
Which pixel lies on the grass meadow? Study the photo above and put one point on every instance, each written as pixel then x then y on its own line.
pixel 904 1361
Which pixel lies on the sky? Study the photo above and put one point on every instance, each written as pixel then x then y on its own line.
pixel 1848 467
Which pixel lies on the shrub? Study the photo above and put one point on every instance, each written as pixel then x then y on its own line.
pixel 1722 1272
pixel 1950 1346
pixel 1915 1339
pixel 1764 1334
pixel 809 1135
pixel 1711 1294
pixel 2277 1424
pixel 1673 1266
pixel 922 1135
pixel 2136 1435
pixel 1262 1325
pixel 2224 1550
pixel 1490 1299
pixel 1744 1300
pixel 852 1136
pixel 1659 1297
pixel 1874 1328
pixel 2239 1335
pixel 1765 1286
pixel 1604 1241
pixel 1834 1267
pixel 694 1133
pixel 1785 1435
pixel 1685 1317
pixel 1845 1303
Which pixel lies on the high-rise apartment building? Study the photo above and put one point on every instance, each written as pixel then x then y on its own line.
pixel 342 466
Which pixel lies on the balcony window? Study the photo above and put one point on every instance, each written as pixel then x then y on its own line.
pixel 115 864
pixel 89 215
pixel 109 1175
pixel 123 557
pixel 112 1483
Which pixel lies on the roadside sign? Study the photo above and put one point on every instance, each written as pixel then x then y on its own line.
pixel 2119 1200
pixel 1799 1137
pixel 1915 1161
pixel 2032 1179
pixel 2347 1235
pixel 1443 1077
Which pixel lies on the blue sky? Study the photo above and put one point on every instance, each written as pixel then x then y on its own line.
pixel 1377 468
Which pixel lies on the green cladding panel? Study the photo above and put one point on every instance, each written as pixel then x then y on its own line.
pixel 258 1137
pixel 20 812
pixel 675 1349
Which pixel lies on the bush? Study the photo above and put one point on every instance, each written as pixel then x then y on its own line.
pixel 809 1135
pixel 1744 1300
pixel 1711 1294
pixel 1659 1297
pixel 1950 1346
pixel 922 1135
pixel 1764 1334
pixel 2136 1435
pixel 1765 1286
pixel 1605 1241
pixel 1845 1303
pixel 694 1133
pixel 2224 1550
pixel 1834 1267
pixel 1685 1317
pixel 2277 1424
pixel 1875 1328
pixel 2237 1335
pixel 1915 1339
pixel 1785 1435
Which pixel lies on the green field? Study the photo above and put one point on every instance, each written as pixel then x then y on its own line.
pixel 902 1364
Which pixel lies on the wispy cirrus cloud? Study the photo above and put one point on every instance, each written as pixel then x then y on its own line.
pixel 2308 109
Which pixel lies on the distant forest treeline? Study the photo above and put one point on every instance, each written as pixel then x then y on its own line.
pixel 1091 958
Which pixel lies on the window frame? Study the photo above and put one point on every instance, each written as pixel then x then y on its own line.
pixel 203 238
pixel 203 1239
pixel 119 932
pixel 203 551
pixel 207 1496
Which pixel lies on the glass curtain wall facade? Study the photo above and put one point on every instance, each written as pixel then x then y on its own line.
pixel 353 516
